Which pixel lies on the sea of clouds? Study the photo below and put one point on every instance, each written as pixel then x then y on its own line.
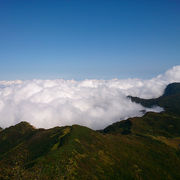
pixel 92 103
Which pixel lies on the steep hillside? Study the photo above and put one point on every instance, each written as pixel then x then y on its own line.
pixel 80 153
pixel 172 89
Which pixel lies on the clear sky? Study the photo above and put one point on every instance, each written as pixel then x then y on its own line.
pixel 79 39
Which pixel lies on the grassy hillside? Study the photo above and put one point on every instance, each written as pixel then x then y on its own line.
pixel 142 148
pixel 156 124
pixel 80 153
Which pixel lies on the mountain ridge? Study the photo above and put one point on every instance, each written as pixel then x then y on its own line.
pixel 169 100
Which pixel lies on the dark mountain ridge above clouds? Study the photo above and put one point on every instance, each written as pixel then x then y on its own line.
pixel 166 123
pixel 169 100
pixel 144 148
pixel 172 89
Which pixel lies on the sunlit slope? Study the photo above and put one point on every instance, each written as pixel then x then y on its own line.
pixel 80 153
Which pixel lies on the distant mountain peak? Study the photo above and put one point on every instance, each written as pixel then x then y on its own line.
pixel 169 101
pixel 172 89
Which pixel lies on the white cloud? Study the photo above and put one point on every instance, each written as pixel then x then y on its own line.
pixel 93 103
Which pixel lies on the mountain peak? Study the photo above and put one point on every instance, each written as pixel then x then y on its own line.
pixel 24 124
pixel 172 89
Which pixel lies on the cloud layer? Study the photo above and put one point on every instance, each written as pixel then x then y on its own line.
pixel 93 103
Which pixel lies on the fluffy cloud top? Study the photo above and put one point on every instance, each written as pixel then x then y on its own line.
pixel 93 103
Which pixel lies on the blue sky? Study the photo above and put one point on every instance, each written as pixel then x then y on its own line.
pixel 79 39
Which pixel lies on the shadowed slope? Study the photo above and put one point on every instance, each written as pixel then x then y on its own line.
pixel 170 100
pixel 158 124
pixel 14 135
pixel 165 123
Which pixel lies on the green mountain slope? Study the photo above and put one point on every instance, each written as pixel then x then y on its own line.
pixel 80 153
pixel 155 124
pixel 142 148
